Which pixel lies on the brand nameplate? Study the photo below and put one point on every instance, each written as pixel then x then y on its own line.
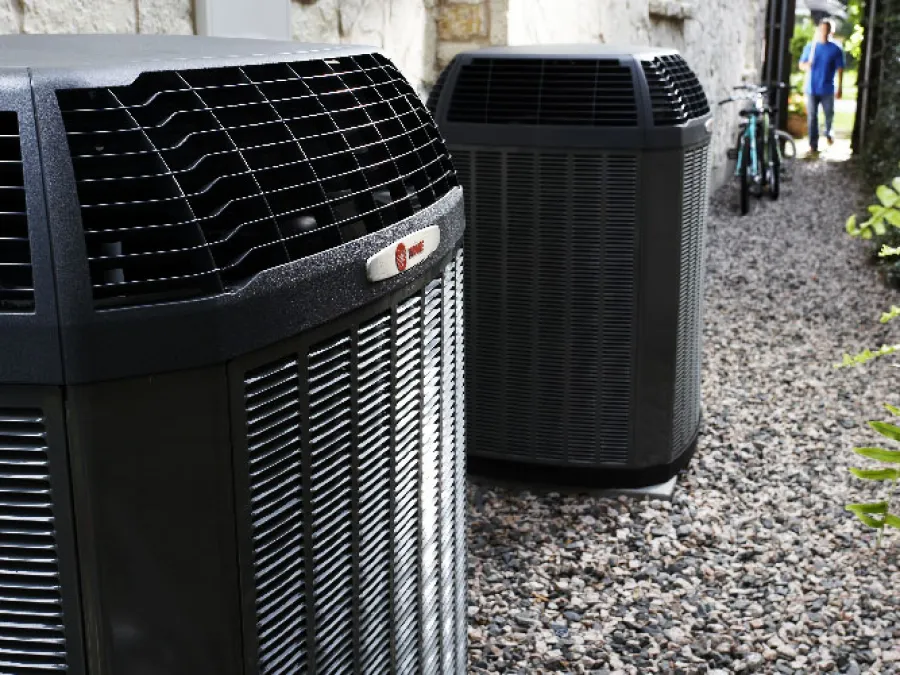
pixel 403 254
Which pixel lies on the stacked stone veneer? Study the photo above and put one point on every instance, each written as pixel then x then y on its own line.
pixel 721 39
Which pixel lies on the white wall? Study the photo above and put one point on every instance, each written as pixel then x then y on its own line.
pixel 719 38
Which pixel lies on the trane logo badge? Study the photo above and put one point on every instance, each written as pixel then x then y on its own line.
pixel 404 254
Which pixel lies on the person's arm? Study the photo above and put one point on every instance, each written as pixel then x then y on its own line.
pixel 804 58
pixel 840 75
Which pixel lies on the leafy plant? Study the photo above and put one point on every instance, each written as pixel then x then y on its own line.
pixel 878 514
pixel 884 214
pixel 884 219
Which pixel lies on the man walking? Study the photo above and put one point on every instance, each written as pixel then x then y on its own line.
pixel 821 60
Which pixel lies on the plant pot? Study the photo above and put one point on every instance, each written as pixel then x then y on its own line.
pixel 796 125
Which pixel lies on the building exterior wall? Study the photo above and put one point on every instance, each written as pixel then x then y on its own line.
pixel 721 39
pixel 404 30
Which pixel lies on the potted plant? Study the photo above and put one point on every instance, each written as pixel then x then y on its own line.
pixel 796 121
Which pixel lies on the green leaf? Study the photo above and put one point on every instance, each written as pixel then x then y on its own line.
pixel 887 251
pixel 896 184
pixel 868 507
pixel 886 196
pixel 869 520
pixel 876 211
pixel 866 234
pixel 851 225
pixel 893 217
pixel 879 454
pixel 892 409
pixel 891 314
pixel 867 355
pixel 876 474
pixel 887 430
pixel 892 521
pixel 879 228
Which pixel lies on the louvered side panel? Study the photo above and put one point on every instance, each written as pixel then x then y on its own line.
pixel 618 305
pixel 584 320
pixel 460 465
pixel 32 637
pixel 522 287
pixel 553 268
pixel 330 450
pixel 686 414
pixel 374 440
pixel 407 388
pixel 550 304
pixel 432 340
pixel 484 241
pixel 447 516
pixel 274 444
pixel 358 501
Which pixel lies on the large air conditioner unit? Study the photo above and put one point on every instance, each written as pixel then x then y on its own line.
pixel 231 310
pixel 585 170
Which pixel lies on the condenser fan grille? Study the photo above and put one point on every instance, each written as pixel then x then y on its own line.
pixel 435 94
pixel 16 281
pixel 675 92
pixel 560 92
pixel 192 182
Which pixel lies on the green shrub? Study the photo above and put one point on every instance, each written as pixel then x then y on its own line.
pixel 883 221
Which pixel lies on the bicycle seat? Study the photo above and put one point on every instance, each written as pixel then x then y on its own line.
pixel 748 112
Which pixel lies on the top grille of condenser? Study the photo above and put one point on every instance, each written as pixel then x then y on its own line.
pixel 16 279
pixel 676 94
pixel 192 182
pixel 435 94
pixel 559 92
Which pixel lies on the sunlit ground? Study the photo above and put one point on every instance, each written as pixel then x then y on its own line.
pixel 844 114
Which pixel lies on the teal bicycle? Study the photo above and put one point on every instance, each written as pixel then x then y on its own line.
pixel 761 149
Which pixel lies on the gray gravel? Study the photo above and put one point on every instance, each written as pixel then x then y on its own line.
pixel 754 567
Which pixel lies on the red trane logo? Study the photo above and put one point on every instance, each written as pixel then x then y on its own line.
pixel 400 257
pixel 416 248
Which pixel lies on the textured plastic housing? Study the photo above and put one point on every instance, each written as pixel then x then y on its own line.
pixel 224 449
pixel 585 172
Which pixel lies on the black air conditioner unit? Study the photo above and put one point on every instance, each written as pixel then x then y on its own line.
pixel 231 300
pixel 585 176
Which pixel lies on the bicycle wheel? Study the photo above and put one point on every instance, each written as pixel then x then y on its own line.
pixel 744 171
pixel 788 152
pixel 774 167
pixel 759 179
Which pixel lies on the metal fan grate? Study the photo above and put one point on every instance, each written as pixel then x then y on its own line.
pixel 192 182
pixel 676 94
pixel 559 92
pixel 16 278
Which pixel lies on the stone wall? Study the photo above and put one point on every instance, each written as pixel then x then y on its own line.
pixel 721 39
pixel 404 30
pixel 97 16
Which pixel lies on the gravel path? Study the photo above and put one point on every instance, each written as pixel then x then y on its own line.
pixel 754 567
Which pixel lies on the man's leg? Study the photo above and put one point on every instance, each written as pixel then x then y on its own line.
pixel 812 119
pixel 828 107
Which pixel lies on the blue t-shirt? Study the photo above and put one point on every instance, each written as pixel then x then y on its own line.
pixel 827 58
